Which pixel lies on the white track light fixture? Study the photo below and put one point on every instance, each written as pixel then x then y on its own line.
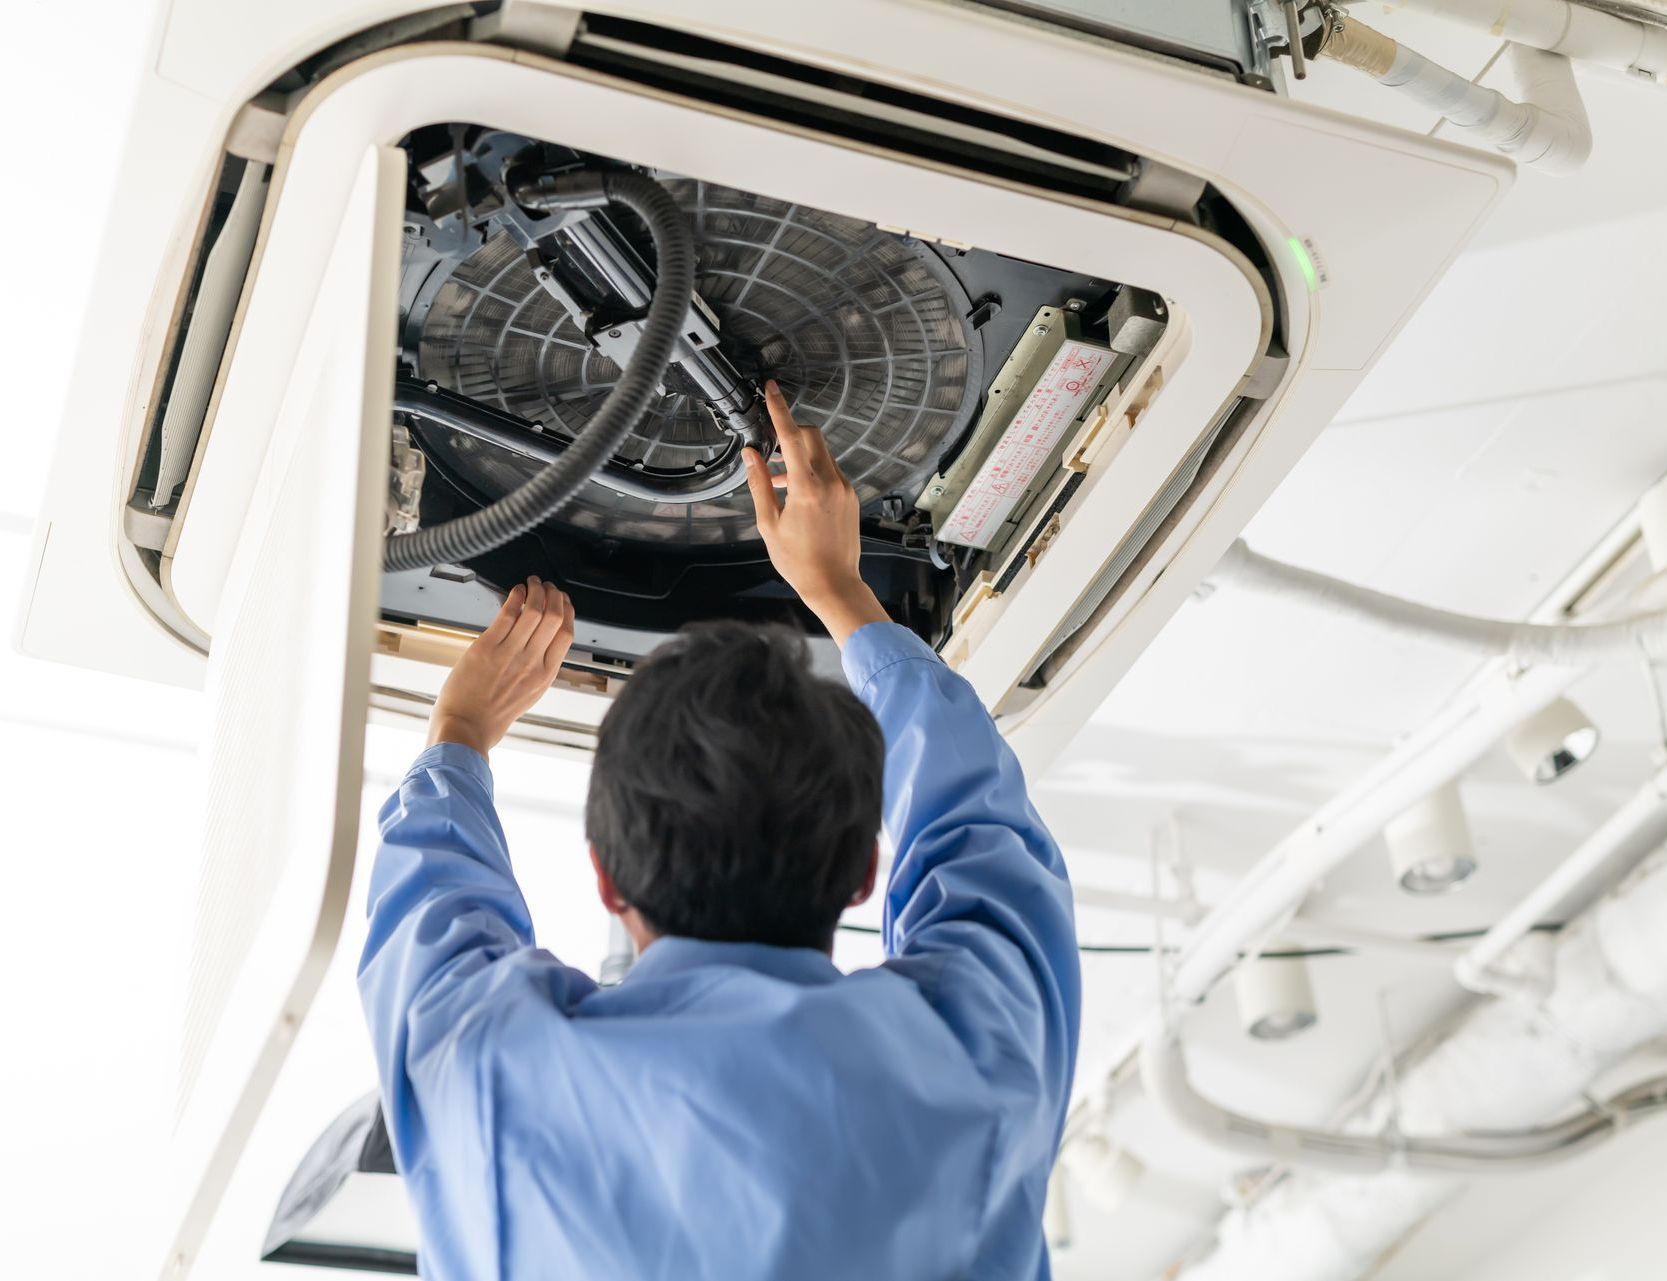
pixel 1276 1000
pixel 1430 850
pixel 1552 742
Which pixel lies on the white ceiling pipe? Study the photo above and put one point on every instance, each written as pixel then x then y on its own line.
pixel 1630 834
pixel 1273 889
pixel 1507 1066
pixel 1585 35
pixel 1568 645
pixel 1550 131
pixel 1433 755
pixel 1164 1076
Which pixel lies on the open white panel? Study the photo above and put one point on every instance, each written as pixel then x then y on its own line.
pixel 1222 308
pixel 289 687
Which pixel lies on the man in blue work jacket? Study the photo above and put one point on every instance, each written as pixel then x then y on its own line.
pixel 736 1108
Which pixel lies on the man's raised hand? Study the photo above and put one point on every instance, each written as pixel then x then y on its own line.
pixel 506 669
pixel 812 538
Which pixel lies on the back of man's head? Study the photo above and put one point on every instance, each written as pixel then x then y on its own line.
pixel 736 795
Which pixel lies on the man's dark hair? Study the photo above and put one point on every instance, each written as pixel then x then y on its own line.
pixel 736 794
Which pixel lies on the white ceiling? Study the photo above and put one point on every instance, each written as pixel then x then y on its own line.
pixel 1515 420
pixel 1511 425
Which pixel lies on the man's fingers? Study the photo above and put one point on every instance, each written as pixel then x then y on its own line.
pixel 766 506
pixel 561 609
pixel 499 627
pixel 555 615
pixel 795 448
pixel 779 480
pixel 531 614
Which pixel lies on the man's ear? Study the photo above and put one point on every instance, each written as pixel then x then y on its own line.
pixel 606 891
pixel 869 877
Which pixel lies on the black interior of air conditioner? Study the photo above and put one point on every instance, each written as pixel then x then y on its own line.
pixel 886 342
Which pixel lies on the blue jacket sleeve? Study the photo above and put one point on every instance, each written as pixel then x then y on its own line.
pixel 450 944
pixel 978 909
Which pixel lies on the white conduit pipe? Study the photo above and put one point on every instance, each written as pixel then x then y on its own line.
pixel 1634 831
pixel 1507 1066
pixel 1550 131
pixel 1271 892
pixel 1435 754
pixel 1524 644
pixel 1585 35
pixel 1163 1073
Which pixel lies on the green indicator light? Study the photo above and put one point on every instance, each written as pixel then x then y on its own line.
pixel 1300 252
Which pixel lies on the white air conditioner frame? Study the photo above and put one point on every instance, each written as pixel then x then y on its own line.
pixel 1382 211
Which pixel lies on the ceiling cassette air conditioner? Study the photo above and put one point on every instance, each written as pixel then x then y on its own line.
pixel 890 205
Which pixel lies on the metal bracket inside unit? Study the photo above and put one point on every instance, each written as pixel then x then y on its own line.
pixel 427 403
pixel 1047 387
pixel 734 400
pixel 1031 404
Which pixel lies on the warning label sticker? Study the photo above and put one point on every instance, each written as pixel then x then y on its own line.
pixel 1035 432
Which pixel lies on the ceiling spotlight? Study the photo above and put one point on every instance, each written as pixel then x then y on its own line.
pixel 1276 1000
pixel 1430 850
pixel 1552 741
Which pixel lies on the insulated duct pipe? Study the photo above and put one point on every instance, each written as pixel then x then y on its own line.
pixel 1268 896
pixel 1433 755
pixel 1524 644
pixel 1507 1066
pixel 1164 1075
pixel 1549 132
pixel 1577 32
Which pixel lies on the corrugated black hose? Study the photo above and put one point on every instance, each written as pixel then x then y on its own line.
pixel 542 496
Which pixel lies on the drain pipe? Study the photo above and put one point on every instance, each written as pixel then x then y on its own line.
pixel 1583 34
pixel 1549 132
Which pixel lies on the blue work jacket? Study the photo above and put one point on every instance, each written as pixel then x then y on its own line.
pixel 737 1111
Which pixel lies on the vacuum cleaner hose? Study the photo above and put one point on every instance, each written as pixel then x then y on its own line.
pixel 542 496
